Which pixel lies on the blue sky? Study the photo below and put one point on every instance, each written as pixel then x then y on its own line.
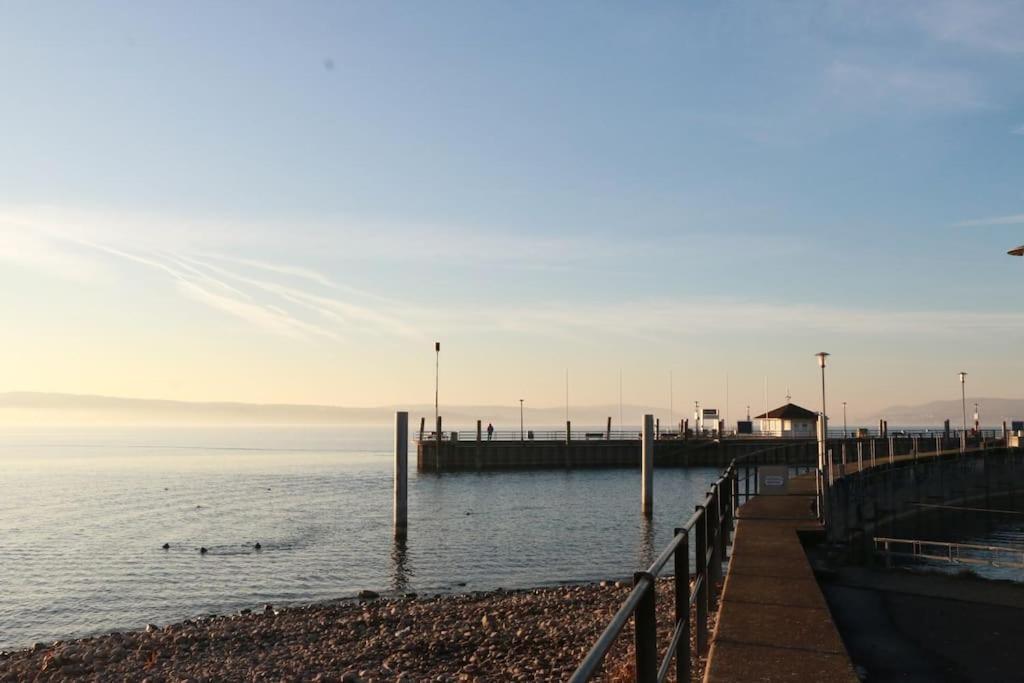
pixel 290 202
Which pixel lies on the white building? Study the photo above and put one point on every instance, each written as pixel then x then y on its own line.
pixel 790 421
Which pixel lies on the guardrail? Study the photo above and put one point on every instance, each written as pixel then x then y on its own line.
pixel 710 526
pixel 953 553
pixel 599 434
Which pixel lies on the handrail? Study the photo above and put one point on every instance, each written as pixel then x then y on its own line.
pixel 710 526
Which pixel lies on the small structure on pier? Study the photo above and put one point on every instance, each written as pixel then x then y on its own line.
pixel 790 421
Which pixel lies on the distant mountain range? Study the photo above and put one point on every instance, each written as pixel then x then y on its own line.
pixel 992 412
pixel 76 409
pixel 30 408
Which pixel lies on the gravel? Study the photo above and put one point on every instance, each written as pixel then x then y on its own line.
pixel 533 635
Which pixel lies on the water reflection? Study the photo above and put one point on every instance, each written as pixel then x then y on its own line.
pixel 400 571
pixel 645 543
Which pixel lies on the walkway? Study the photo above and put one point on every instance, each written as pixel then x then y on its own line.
pixel 773 622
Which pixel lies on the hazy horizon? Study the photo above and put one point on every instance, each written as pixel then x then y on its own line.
pixel 54 409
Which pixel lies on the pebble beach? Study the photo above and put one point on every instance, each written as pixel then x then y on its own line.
pixel 532 635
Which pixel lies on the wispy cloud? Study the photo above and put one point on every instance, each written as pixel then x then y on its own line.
pixel 884 85
pixel 1014 219
pixel 987 25
pixel 1018 130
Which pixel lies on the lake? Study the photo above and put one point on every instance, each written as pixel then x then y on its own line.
pixel 84 514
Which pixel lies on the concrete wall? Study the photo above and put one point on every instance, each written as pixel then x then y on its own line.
pixel 496 455
pixel 868 504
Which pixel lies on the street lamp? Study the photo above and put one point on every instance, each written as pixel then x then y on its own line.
pixel 520 419
pixel 963 398
pixel 822 438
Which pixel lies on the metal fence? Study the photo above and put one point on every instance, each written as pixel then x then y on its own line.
pixel 599 434
pixel 710 529
pixel 952 553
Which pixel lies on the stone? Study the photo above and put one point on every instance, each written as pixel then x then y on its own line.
pixel 368 595
pixel 150 628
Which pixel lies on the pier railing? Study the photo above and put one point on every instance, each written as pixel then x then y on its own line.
pixel 599 434
pixel 709 529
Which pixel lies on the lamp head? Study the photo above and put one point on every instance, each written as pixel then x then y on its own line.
pixel 963 376
pixel 821 358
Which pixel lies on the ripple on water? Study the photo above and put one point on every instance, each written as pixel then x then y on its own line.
pixel 81 530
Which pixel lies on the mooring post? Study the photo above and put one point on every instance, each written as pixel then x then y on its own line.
pixel 609 433
pixel 647 467
pixel 479 444
pixel 423 427
pixel 568 444
pixel 657 428
pixel 401 473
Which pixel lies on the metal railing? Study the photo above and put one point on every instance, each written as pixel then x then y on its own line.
pixel 601 434
pixel 710 527
pixel 953 553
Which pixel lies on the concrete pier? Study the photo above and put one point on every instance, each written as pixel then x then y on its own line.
pixel 773 621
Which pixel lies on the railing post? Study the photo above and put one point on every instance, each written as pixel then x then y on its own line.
pixel 682 569
pixel 746 484
pixel 645 633
pixel 701 574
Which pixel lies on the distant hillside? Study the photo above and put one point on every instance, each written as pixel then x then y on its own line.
pixel 31 408
pixel 991 410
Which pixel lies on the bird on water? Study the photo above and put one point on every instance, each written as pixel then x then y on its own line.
pixel 203 551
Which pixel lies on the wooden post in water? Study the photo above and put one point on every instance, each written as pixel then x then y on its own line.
pixel 657 428
pixel 647 467
pixel 423 426
pixel 568 444
pixel 608 436
pixel 401 505
pixel 479 445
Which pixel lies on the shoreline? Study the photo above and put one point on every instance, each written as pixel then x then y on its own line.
pixel 518 635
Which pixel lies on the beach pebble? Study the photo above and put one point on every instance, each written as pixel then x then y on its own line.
pixel 368 595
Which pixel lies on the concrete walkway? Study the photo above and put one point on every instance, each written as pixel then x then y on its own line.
pixel 773 621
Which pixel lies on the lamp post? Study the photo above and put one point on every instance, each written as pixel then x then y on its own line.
pixel 521 419
pixel 437 373
pixel 963 397
pixel 822 438
pixel 845 430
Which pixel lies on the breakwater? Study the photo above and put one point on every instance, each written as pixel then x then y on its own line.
pixel 452 455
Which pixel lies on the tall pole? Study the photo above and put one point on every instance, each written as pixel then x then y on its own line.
pixel 521 419
pixel 437 375
pixel 620 398
pixel 671 399
pixel 647 467
pixel 822 442
pixel 963 398
pixel 845 430
pixel 567 394
pixel 401 484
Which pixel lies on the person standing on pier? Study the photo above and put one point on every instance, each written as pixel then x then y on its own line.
pixel 490 431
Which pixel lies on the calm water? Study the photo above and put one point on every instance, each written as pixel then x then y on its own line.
pixel 83 516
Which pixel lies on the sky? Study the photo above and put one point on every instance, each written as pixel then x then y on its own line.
pixel 290 202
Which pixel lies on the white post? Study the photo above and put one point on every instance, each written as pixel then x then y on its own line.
pixel 647 467
pixel 401 473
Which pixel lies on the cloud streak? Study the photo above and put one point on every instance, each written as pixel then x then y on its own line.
pixel 1013 219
